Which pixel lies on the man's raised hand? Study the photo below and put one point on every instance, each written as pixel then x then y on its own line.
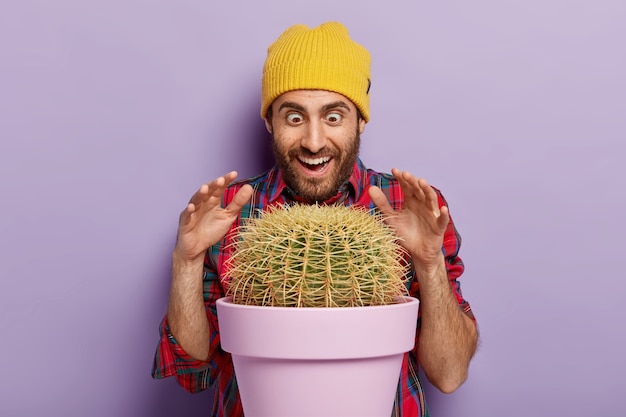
pixel 204 222
pixel 420 224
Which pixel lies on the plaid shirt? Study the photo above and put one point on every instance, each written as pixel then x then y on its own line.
pixel 269 190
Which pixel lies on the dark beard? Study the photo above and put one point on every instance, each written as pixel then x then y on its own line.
pixel 312 189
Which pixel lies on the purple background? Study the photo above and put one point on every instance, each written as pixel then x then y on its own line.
pixel 113 112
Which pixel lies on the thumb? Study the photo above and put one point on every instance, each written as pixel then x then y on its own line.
pixel 242 196
pixel 443 219
pixel 380 201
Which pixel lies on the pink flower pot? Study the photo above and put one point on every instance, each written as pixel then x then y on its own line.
pixel 317 362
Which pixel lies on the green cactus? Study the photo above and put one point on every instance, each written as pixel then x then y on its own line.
pixel 317 256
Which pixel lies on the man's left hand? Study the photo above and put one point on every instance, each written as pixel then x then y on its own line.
pixel 420 224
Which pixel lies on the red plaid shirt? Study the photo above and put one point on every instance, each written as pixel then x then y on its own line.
pixel 270 189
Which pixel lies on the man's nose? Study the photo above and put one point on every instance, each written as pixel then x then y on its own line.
pixel 314 138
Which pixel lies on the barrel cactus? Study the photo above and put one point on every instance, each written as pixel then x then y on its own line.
pixel 316 256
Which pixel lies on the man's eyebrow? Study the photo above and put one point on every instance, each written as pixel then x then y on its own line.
pixel 291 105
pixel 334 105
pixel 325 108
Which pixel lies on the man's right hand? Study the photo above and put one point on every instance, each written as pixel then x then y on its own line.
pixel 204 222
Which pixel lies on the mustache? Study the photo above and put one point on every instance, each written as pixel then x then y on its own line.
pixel 322 153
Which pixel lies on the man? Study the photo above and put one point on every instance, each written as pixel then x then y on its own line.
pixel 315 104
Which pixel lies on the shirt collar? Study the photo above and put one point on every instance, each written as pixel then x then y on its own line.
pixel 355 185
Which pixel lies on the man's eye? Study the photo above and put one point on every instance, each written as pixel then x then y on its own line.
pixel 333 117
pixel 294 118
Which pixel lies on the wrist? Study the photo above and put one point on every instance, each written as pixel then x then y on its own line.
pixel 429 267
pixel 182 262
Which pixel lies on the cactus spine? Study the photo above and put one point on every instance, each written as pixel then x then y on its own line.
pixel 316 256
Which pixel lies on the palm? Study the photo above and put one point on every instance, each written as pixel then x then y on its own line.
pixel 204 222
pixel 420 224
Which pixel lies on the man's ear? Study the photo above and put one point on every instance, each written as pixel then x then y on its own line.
pixel 268 125
pixel 361 125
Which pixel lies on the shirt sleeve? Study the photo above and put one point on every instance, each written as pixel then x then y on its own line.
pixel 171 359
pixel 454 264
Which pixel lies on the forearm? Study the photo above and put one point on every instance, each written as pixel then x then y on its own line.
pixel 448 337
pixel 186 312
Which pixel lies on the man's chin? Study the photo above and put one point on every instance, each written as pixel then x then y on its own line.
pixel 313 195
pixel 314 190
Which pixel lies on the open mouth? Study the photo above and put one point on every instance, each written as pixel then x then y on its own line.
pixel 314 164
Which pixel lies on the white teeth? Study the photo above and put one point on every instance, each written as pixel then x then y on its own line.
pixel 315 161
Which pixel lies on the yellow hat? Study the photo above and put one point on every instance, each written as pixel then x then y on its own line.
pixel 322 58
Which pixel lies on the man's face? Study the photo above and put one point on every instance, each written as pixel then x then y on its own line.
pixel 316 140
